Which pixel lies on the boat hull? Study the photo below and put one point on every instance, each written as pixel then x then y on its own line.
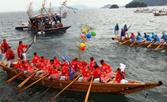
pixel 112 88
pixel 46 31
pixel 145 44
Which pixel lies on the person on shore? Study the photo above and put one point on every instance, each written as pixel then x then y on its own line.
pixel 9 56
pixel 4 46
pixel 21 50
pixel 116 30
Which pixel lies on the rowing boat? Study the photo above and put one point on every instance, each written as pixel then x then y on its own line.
pixel 113 88
pixel 144 43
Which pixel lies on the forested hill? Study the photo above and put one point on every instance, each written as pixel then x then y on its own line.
pixel 153 2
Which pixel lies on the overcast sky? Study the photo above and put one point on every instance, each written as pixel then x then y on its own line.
pixel 21 5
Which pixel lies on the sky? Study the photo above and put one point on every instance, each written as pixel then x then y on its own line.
pixel 22 5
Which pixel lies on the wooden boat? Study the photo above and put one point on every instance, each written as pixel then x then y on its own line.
pixel 113 88
pixel 144 44
pixel 160 13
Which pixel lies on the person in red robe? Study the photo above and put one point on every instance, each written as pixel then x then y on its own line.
pixel 118 76
pixel 4 46
pixel 65 70
pixel 53 72
pixel 36 58
pixel 9 56
pixel 74 63
pixel 97 71
pixel 57 63
pixel 107 68
pixel 92 64
pixel 21 50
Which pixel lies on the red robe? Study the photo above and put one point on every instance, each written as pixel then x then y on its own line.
pixel 57 63
pixel 4 47
pixel 97 73
pixel 92 64
pixel 36 59
pixel 20 50
pixel 118 77
pixel 10 54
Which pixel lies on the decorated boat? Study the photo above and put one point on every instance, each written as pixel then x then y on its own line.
pixel 144 43
pixel 46 22
pixel 132 86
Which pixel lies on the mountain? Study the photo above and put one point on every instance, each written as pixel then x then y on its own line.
pixel 110 6
pixel 153 2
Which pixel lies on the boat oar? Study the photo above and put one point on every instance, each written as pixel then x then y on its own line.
pixel 33 41
pixel 14 77
pixel 54 97
pixel 150 44
pixel 159 45
pixel 33 83
pixel 89 89
pixel 26 80
pixel 140 44
pixel 132 44
pixel 124 42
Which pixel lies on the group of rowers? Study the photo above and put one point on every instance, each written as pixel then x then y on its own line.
pixel 61 70
pixel 148 38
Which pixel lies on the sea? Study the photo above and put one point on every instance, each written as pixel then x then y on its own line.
pixel 141 63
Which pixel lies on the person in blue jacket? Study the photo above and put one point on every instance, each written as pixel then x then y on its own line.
pixel 139 38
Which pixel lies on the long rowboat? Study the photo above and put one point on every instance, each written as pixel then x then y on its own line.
pixel 126 41
pixel 113 88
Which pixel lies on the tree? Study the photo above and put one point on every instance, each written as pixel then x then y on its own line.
pixel 134 4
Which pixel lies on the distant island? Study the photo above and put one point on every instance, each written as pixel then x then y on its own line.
pixel 111 6
pixel 135 4
pixel 153 2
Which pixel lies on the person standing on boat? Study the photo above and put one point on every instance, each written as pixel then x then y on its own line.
pixel 122 34
pixel 139 37
pixel 4 46
pixel 132 37
pixel 21 50
pixel 116 30
pixel 9 56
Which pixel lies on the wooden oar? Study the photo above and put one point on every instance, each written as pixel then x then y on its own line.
pixel 14 77
pixel 33 83
pixel 26 80
pixel 132 44
pixel 151 44
pixel 124 42
pixel 159 45
pixel 33 41
pixel 143 42
pixel 54 97
pixel 88 92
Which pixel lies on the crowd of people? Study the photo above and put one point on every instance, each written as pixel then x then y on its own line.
pixel 42 22
pixel 139 38
pixel 61 70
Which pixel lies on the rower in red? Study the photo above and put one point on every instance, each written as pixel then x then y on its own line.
pixel 4 46
pixel 21 50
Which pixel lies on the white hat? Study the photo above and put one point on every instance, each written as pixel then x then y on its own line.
pixel 122 67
